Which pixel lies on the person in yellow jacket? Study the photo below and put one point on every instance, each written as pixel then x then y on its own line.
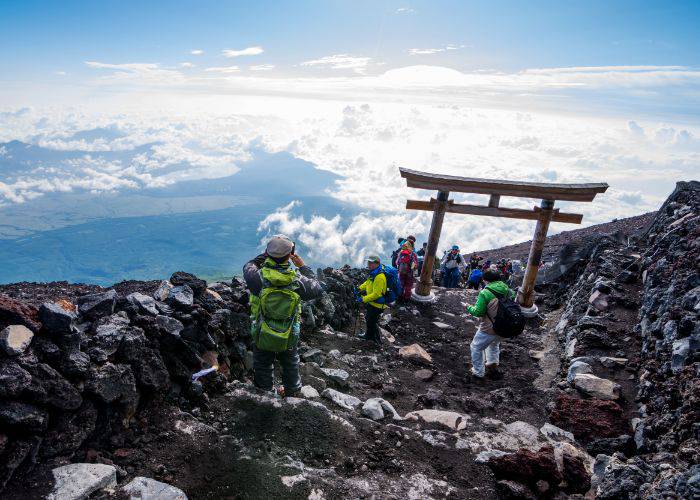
pixel 372 295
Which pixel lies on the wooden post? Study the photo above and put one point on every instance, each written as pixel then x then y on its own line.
pixel 494 200
pixel 526 293
pixel 425 282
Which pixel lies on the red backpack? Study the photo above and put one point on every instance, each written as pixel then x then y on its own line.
pixel 404 261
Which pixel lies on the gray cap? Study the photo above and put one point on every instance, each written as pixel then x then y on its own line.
pixel 373 258
pixel 279 246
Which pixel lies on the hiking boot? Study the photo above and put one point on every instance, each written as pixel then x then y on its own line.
pixel 492 371
pixel 363 336
pixel 473 377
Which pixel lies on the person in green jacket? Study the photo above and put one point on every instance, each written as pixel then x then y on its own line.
pixel 485 339
pixel 372 295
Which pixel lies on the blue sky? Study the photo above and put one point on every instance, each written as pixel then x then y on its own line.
pixel 41 38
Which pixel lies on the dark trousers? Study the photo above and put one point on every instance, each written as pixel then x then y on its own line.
pixel 451 278
pixel 406 280
pixel 263 366
pixel 372 315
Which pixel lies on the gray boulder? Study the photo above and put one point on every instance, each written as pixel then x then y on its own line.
pixel 48 387
pixel 79 481
pixel 55 319
pixel 110 383
pixel 144 303
pixel 149 489
pixel 15 339
pixel 577 367
pixel 96 305
pixel 169 325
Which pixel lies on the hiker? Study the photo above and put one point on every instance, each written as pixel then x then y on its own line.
pixel 503 268
pixel 451 264
pixel 485 338
pixel 275 290
pixel 406 264
pixel 395 253
pixel 421 257
pixel 474 262
pixel 475 281
pixel 486 265
pixel 374 289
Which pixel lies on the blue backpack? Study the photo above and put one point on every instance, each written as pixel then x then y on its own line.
pixel 393 285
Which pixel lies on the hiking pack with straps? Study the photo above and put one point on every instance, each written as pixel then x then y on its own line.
pixel 404 262
pixel 393 285
pixel 509 321
pixel 276 311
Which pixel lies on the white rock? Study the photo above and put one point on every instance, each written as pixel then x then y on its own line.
pixel 387 406
pixel 78 481
pixel 577 367
pixel 386 335
pixel 596 387
pixel 373 409
pixel 343 400
pixel 309 392
pixel 144 488
pixel 15 339
pixel 340 376
pixel 451 419
pixel 485 456
pixel 553 432
pixel 441 325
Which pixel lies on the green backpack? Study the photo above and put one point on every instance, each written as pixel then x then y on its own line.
pixel 276 310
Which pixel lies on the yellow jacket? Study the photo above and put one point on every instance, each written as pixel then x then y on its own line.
pixel 374 289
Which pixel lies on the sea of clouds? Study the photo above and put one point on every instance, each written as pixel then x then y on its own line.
pixel 554 125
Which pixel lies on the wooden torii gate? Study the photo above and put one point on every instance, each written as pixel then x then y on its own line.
pixel 544 214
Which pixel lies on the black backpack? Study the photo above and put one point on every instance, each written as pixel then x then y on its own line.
pixel 509 321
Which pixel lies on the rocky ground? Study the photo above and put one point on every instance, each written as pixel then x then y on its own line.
pixel 599 396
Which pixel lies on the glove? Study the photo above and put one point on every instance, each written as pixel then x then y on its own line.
pixel 358 298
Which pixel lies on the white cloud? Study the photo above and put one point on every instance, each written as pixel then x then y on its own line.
pixel 144 72
pixel 224 69
pixel 196 52
pixel 262 67
pixel 248 51
pixel 405 10
pixel 60 73
pixel 419 52
pixel 341 61
pixel 187 65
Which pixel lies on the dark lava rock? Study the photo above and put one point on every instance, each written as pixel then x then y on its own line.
pixel 96 305
pixel 16 453
pixel 608 446
pixel 56 319
pixel 146 363
pixel 169 325
pixel 47 350
pixel 197 285
pixel 512 490
pixel 14 312
pixel 527 466
pixel 109 332
pixel 622 480
pixel 13 378
pixel 74 363
pixel 48 387
pixel 69 431
pixel 110 383
pixel 22 416
pixel 588 419
pixel 577 478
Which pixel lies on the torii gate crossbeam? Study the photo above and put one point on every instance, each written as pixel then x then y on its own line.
pixel 544 214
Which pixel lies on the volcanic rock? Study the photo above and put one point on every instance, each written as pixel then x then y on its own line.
pixel 13 378
pixel 15 339
pixel 596 387
pixel 79 481
pixel 526 466
pixel 453 420
pixel 588 419
pixel 23 416
pixel 145 488
pixel 198 286
pixel 55 318
pixel 96 305
pixel 424 375
pixel 14 312
pixel 343 400
pixel 111 382
pixel 415 352
pixel 69 431
pixel 144 303
pixel 48 387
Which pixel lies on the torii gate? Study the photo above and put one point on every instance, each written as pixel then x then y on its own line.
pixel 544 214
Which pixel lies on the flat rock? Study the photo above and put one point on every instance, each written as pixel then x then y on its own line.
pixel 425 375
pixel 576 368
pixel 309 392
pixel 55 318
pixel 596 387
pixel 144 488
pixel 79 481
pixel 336 375
pixel 450 419
pixel 442 326
pixel 145 303
pixel 609 362
pixel 343 400
pixel 15 339
pixel 553 432
pixel 599 300
pixel 13 311
pixel 415 352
